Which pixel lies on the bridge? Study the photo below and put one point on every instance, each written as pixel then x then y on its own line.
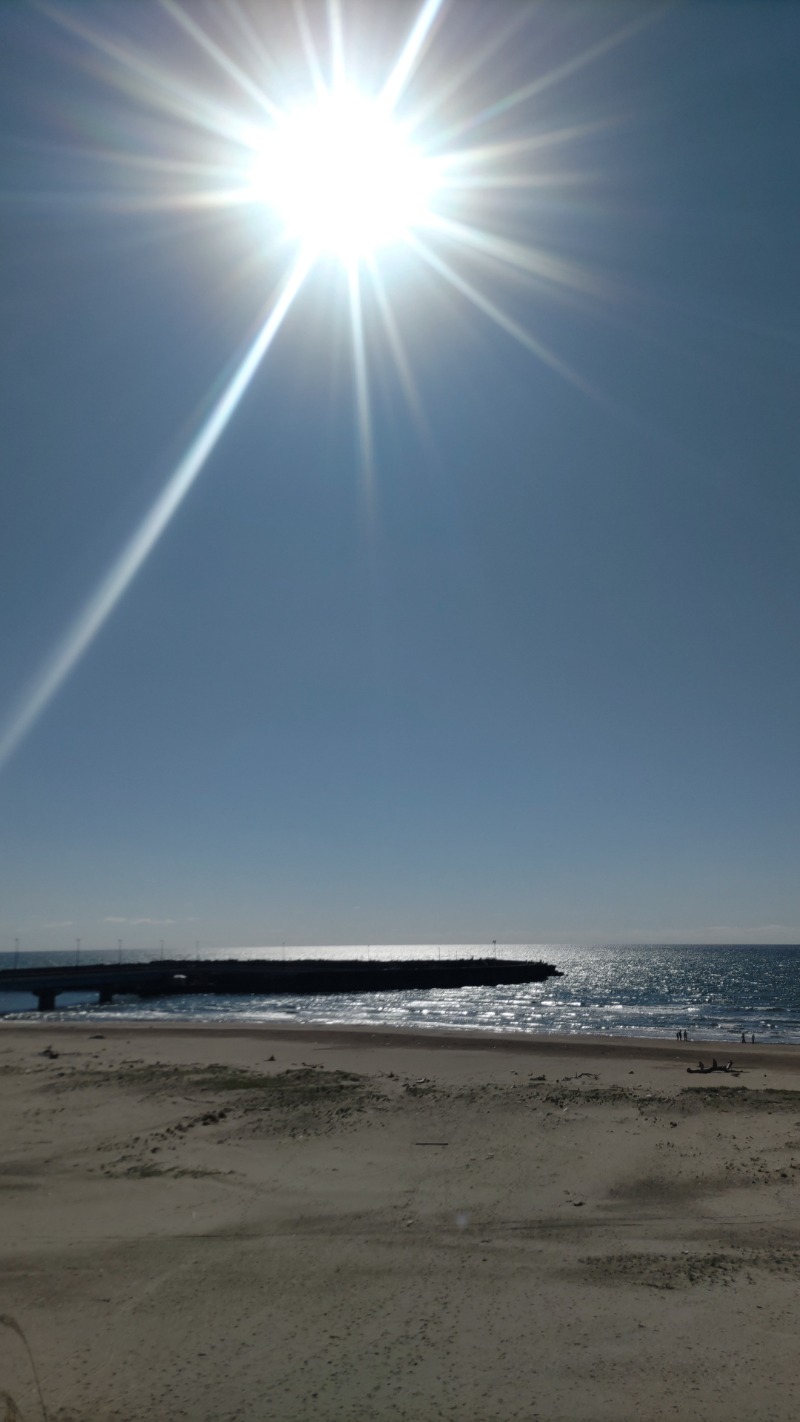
pixel 306 977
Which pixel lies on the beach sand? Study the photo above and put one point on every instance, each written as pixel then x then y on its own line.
pixel 210 1223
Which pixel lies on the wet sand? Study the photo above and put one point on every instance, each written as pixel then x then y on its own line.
pixel 357 1226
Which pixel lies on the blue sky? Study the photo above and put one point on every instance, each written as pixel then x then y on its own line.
pixel 534 677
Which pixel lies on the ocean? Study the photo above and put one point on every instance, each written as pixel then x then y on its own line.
pixel 626 990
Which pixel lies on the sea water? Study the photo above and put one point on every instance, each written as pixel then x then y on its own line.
pixel 628 990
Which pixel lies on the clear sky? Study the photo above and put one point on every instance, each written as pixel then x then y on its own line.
pixel 526 668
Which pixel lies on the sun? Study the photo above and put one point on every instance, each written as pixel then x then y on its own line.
pixel 342 176
pixel 341 173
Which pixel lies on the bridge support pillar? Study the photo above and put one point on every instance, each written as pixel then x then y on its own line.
pixel 46 1000
pixel 106 996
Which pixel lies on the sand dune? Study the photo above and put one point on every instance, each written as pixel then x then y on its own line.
pixel 293 1224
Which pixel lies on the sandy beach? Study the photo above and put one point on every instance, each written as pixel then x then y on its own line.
pixel 314 1223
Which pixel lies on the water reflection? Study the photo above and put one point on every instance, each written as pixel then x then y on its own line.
pixel 631 990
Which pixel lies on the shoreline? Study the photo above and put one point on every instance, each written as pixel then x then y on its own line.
pixel 778 1054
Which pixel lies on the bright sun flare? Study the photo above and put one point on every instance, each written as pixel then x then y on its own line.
pixel 342 177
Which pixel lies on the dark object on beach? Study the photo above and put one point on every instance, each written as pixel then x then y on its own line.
pixel 752 1039
pixel 714 1067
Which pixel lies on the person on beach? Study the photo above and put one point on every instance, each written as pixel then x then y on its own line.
pixel 752 1039
pixel 744 1039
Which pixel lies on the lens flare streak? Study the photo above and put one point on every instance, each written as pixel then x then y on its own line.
pixel 98 609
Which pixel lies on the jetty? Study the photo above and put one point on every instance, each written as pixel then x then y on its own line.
pixel 307 977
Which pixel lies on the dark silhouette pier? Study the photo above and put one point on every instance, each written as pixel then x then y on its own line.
pixel 265 977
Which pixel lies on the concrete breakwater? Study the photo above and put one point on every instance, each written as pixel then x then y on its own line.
pixel 265 976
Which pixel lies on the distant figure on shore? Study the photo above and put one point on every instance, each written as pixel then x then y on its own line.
pixel 752 1039
pixel 744 1038
pixel 686 1036
pixel 679 1036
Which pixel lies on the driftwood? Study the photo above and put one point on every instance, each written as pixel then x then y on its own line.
pixel 705 1070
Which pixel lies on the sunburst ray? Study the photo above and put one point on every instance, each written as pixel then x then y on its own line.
pixel 309 48
pixel 411 53
pixel 131 71
pixel 551 77
pixel 535 262
pixel 246 84
pixel 498 315
pixel 92 617
pixel 360 375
